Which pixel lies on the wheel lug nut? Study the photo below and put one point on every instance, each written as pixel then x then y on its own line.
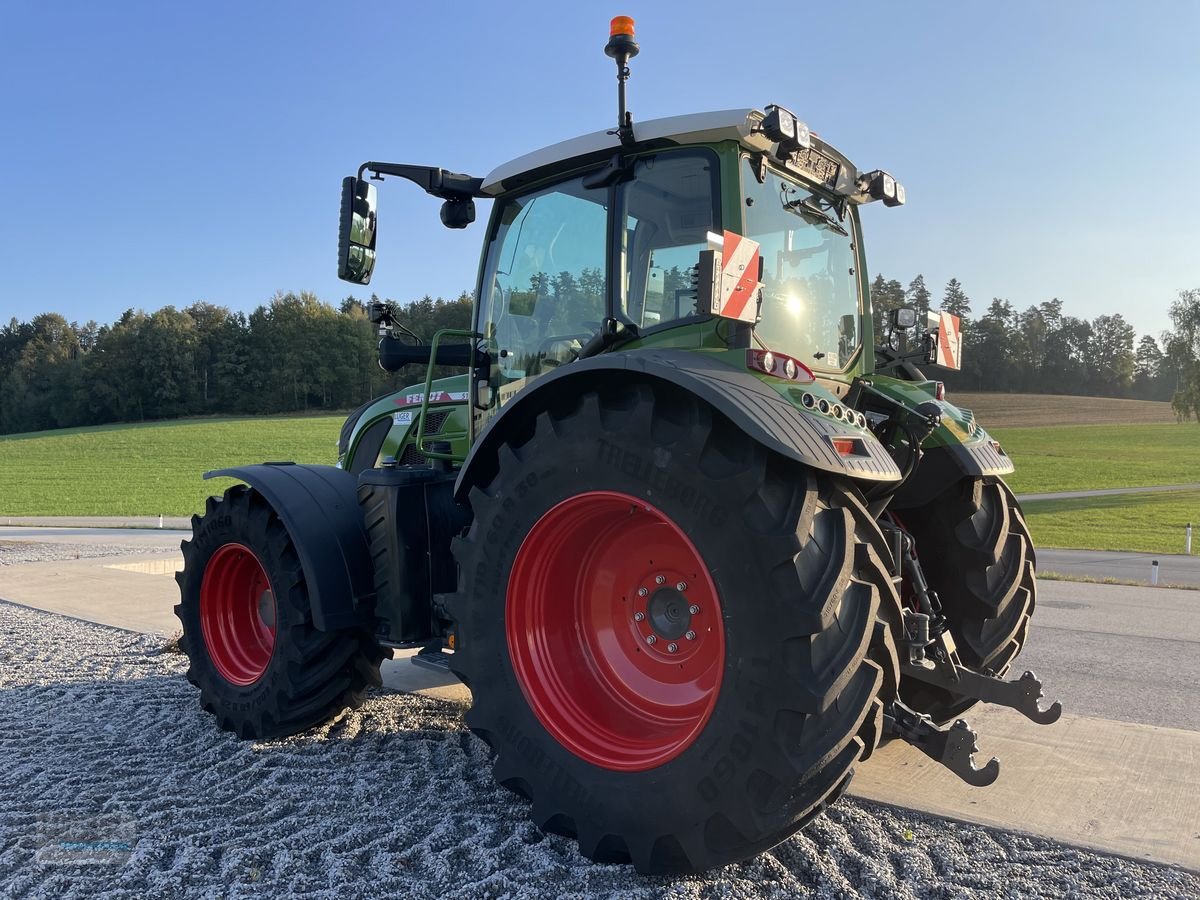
pixel 651 639
pixel 693 609
pixel 660 579
pixel 682 586
pixel 642 592
pixel 672 647
pixel 691 635
pixel 639 617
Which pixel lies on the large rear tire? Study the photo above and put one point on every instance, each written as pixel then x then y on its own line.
pixel 677 642
pixel 976 552
pixel 261 666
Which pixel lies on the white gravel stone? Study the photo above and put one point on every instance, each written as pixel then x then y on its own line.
pixel 15 552
pixel 114 782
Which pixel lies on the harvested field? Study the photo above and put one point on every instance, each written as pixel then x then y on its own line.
pixel 1036 410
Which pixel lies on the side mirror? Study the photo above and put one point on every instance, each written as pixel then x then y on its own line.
pixel 356 231
pixel 903 318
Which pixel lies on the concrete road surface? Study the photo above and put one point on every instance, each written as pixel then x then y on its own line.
pixel 1109 492
pixel 1172 568
pixel 1118 652
pixel 137 539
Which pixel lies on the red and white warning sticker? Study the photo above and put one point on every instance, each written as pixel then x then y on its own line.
pixel 740 266
pixel 949 341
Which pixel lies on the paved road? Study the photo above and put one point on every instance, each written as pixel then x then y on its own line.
pixel 134 538
pixel 1172 569
pixel 1108 492
pixel 1117 652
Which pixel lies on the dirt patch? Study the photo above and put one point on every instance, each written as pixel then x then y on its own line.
pixel 1038 410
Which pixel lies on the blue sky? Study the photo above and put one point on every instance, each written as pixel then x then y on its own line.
pixel 156 153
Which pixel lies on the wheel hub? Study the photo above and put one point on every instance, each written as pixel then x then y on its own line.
pixel 615 631
pixel 237 614
pixel 266 610
pixel 668 614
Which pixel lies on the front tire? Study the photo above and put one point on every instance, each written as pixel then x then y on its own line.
pixel 615 530
pixel 975 549
pixel 262 667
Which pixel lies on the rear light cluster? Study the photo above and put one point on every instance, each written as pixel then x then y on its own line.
pixel 849 446
pixel 842 413
pixel 770 363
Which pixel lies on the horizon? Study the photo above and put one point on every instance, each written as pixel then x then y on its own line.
pixel 152 131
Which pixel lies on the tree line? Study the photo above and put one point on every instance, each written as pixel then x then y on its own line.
pixel 293 354
pixel 1043 350
pixel 297 353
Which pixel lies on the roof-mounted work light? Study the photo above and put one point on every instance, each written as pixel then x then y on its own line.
pixel 879 185
pixel 781 126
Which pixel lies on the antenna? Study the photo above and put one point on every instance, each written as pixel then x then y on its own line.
pixel 622 47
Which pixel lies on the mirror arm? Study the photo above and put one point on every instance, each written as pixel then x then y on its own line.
pixel 431 179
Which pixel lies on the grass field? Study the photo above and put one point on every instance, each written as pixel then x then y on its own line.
pixel 1092 457
pixel 1146 523
pixel 144 470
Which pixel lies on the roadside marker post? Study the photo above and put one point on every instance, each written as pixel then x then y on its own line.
pixel 1154 571
pixel 160 525
pixel 1187 544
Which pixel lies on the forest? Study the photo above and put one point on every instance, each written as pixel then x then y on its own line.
pixel 297 353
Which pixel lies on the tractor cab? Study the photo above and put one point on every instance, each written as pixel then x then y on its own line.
pixel 721 232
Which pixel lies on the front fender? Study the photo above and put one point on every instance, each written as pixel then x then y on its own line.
pixel 958 448
pixel 319 507
pixel 755 407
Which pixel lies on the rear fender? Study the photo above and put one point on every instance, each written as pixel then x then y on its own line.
pixel 759 410
pixel 319 507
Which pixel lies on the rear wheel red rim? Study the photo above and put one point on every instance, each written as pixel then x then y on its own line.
pixel 615 631
pixel 237 614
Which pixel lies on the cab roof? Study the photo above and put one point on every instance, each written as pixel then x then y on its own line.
pixel 697 128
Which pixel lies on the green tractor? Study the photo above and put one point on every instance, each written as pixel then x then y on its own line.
pixel 697 539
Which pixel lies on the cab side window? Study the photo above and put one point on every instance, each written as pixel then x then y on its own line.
pixel 547 278
pixel 670 209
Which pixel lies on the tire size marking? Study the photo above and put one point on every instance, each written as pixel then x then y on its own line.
pixel 562 782
pixel 216 522
pixel 699 504
pixel 742 740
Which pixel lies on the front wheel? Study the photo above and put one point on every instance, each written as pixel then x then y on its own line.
pixel 262 667
pixel 673 638
pixel 976 552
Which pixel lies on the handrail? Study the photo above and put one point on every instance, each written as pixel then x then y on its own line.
pixel 421 448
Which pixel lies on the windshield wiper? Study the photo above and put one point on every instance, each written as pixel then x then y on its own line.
pixel 809 210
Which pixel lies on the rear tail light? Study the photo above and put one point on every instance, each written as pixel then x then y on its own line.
pixel 940 391
pixel 779 365
pixel 848 446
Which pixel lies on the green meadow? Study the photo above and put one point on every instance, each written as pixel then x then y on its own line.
pixel 1145 523
pixel 147 469
pixel 1089 457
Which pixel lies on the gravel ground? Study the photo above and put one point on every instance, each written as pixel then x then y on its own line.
pixel 114 782
pixel 14 552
